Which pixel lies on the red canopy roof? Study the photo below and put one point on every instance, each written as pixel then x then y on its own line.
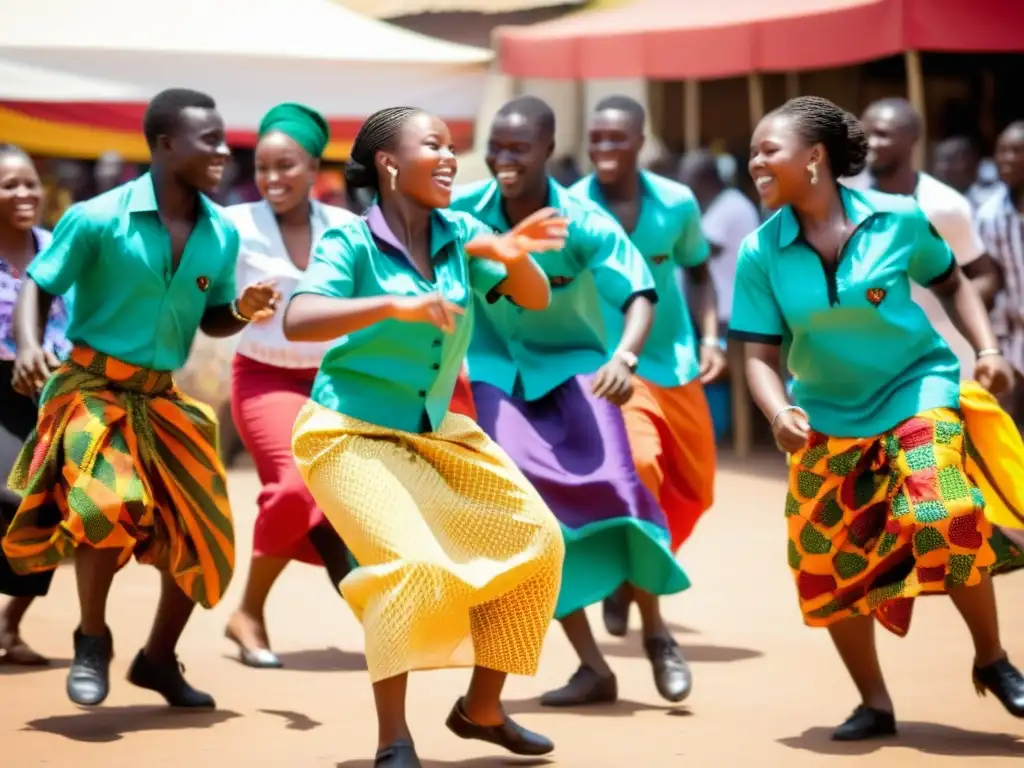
pixel 704 39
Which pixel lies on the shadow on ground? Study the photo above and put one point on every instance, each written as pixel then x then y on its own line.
pixel 112 723
pixel 632 648
pixel 928 738
pixel 18 669
pixel 621 708
pixel 294 721
pixel 479 762
pixel 319 660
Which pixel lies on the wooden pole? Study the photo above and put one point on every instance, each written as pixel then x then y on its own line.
pixel 915 94
pixel 755 98
pixel 792 85
pixel 691 114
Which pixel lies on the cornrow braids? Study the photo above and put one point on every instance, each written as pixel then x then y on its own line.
pixel 819 121
pixel 379 132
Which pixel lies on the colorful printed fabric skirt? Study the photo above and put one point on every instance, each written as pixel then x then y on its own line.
pixel 460 559
pixel 120 459
pixel 875 522
pixel 573 448
pixel 672 439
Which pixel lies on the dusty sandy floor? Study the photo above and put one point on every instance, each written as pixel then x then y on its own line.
pixel 767 689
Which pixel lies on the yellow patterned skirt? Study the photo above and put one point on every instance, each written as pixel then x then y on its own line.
pixel 460 559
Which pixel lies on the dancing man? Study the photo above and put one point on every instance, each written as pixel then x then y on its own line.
pixel 884 504
pixel 548 388
pixel 459 557
pixel 121 462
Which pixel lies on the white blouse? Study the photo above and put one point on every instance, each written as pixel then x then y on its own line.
pixel 263 256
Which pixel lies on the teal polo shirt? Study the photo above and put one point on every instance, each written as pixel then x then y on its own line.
pixel 397 374
pixel 669 236
pixel 529 353
pixel 863 355
pixel 114 254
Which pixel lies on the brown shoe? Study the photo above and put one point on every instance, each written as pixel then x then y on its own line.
pixel 13 650
pixel 584 687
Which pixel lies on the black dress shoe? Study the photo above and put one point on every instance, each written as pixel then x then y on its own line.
pixel 672 675
pixel 1006 683
pixel 399 754
pixel 866 723
pixel 584 687
pixel 509 735
pixel 165 677
pixel 89 676
pixel 615 612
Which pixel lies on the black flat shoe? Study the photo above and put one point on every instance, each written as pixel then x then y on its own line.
pixel 509 735
pixel 399 754
pixel 584 687
pixel 89 675
pixel 1005 682
pixel 866 723
pixel 615 612
pixel 672 675
pixel 166 678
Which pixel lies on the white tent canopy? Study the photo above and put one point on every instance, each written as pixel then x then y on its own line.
pixel 248 54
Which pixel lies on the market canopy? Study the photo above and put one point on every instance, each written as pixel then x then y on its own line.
pixel 688 39
pixel 74 81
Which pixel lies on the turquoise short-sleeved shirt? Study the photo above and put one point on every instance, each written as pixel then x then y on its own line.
pixel 530 353
pixel 668 234
pixel 863 355
pixel 396 374
pixel 114 253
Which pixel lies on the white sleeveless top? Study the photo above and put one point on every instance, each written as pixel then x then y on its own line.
pixel 263 256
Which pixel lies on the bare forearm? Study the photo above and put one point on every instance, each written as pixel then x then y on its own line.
pixel 987 279
pixel 321 318
pixel 964 307
pixel 527 285
pixel 220 322
pixel 637 326
pixel 706 300
pixel 764 380
pixel 30 314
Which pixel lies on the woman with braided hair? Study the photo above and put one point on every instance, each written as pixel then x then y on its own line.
pixel 459 558
pixel 884 502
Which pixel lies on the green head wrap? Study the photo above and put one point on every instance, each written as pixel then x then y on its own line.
pixel 303 124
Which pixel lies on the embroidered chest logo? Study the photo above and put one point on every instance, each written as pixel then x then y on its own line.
pixel 875 296
pixel 661 259
pixel 203 282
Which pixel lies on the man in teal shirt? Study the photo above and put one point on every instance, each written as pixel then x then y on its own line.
pixel 121 463
pixel 668 420
pixel 548 387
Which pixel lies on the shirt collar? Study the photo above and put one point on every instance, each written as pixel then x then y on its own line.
pixel 859 208
pixel 441 230
pixel 489 208
pixel 142 196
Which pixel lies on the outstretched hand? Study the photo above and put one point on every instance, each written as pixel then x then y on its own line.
pixel 432 308
pixel 259 301
pixel 541 231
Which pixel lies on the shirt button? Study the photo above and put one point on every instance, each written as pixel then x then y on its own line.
pixel 423 393
pixel 437 343
pixel 436 366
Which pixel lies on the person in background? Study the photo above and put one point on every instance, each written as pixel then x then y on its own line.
pixel 728 216
pixel 21 198
pixel 108 172
pixel 668 421
pixel 956 162
pixel 120 463
pixel 549 387
pixel 883 505
pixel 893 129
pixel 271 376
pixel 459 558
pixel 565 170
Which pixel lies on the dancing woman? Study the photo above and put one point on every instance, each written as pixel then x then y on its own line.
pixel 548 389
pixel 883 504
pixel 272 377
pixel 21 197
pixel 459 556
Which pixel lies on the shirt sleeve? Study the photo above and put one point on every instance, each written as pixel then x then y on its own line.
pixel 756 315
pixel 75 245
pixel 691 249
pixel 225 288
pixel 619 268
pixel 931 260
pixel 331 270
pixel 484 275
pixel 958 231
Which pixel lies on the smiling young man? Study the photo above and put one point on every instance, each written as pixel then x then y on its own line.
pixel 121 463
pixel 668 420
pixel 549 385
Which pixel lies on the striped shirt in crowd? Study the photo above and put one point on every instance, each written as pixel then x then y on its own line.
pixel 1002 231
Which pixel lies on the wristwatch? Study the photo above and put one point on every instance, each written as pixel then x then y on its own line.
pixel 631 361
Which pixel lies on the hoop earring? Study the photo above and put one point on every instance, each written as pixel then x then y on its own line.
pixel 812 169
pixel 394 177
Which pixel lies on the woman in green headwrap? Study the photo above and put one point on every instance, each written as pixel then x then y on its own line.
pixel 271 376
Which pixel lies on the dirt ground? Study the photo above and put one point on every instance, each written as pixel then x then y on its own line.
pixel 767 689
